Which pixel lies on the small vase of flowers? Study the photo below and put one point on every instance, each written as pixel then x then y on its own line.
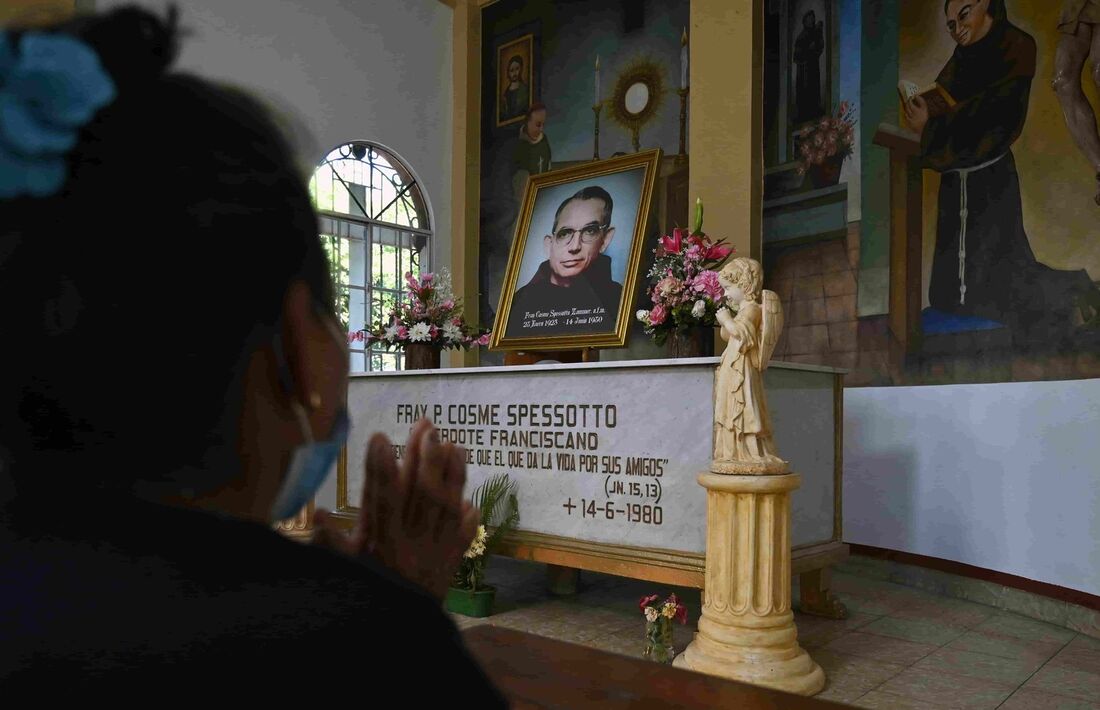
pixel 685 291
pixel 658 626
pixel 425 322
pixel 823 146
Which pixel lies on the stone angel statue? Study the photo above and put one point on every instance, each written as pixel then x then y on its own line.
pixel 742 428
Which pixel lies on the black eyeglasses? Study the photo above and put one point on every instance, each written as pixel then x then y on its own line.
pixel 589 233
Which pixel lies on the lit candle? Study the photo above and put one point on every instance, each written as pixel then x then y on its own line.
pixel 596 101
pixel 684 59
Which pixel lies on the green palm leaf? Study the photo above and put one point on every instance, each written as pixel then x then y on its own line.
pixel 496 498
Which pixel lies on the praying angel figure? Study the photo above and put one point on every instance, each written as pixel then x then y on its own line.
pixel 743 440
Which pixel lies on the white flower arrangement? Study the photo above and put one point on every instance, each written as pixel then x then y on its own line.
pixel 477 545
pixel 452 333
pixel 651 614
pixel 426 314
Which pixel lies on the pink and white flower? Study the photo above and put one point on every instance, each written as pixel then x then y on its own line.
pixel 707 283
pixel 670 286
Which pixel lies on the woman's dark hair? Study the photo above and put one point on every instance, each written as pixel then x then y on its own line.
pixel 131 300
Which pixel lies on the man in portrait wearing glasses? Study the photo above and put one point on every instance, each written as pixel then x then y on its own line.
pixel 572 291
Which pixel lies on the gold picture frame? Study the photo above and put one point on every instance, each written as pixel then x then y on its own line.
pixel 523 50
pixel 628 181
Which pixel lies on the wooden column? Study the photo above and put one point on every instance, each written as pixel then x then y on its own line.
pixel 466 165
pixel 725 118
pixel 726 121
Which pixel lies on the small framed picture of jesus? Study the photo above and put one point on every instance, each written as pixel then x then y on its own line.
pixel 515 75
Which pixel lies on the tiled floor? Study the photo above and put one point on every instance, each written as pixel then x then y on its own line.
pixel 900 647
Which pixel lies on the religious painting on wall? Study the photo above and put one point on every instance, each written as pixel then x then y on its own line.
pixel 972 254
pixel 515 88
pixel 810 31
pixel 581 52
pixel 1009 246
pixel 574 261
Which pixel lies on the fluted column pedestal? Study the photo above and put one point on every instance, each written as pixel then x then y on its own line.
pixel 747 631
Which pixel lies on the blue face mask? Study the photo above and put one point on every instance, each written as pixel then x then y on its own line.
pixel 312 461
pixel 310 465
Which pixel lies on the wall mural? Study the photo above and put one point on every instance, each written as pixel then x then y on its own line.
pixel 550 71
pixel 972 250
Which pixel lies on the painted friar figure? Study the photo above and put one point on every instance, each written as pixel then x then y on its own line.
pixel 743 441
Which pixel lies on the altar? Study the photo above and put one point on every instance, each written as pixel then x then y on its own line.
pixel 606 457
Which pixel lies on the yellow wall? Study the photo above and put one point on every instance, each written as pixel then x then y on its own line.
pixel 466 163
pixel 1056 181
pixel 33 11
pixel 725 119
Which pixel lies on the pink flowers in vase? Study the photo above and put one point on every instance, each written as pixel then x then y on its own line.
pixel 830 139
pixel 684 287
pixel 428 314
pixel 658 626
pixel 670 609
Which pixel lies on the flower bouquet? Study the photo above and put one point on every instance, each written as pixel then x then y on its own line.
pixel 658 626
pixel 824 145
pixel 496 499
pixel 427 321
pixel 684 287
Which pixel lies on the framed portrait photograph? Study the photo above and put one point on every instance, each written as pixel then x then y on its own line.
pixel 810 32
pixel 515 79
pixel 575 256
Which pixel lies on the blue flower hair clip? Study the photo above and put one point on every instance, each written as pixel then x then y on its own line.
pixel 49 89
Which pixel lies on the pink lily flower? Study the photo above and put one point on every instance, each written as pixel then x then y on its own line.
pixel 673 244
pixel 718 252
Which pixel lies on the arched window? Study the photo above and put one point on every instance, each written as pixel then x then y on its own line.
pixel 375 227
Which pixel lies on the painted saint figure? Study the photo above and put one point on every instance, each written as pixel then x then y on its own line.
pixel 742 428
pixel 531 151
pixel 983 265
pixel 808 48
pixel 517 95
pixel 1079 42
